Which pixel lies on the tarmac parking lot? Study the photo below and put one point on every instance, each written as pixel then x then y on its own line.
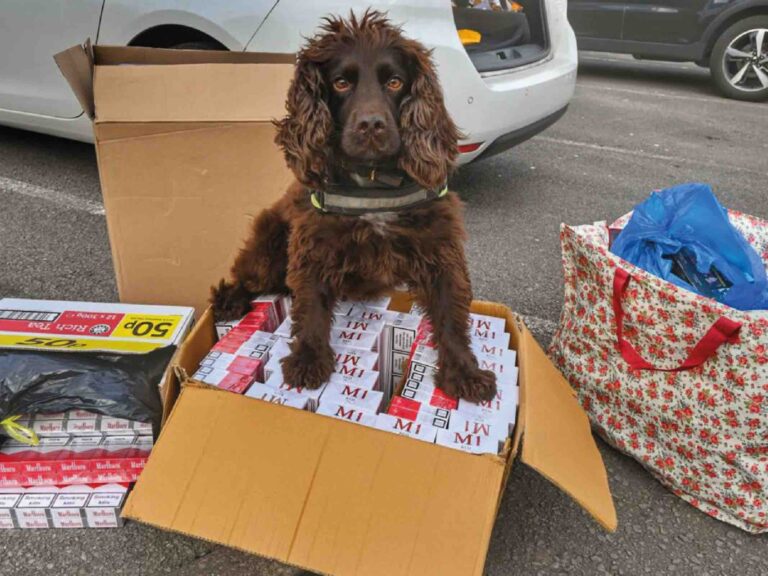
pixel 632 127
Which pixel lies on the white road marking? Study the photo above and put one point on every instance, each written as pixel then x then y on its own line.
pixel 647 155
pixel 657 94
pixel 62 199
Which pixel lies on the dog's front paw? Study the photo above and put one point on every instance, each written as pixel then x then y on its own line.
pixel 308 366
pixel 230 301
pixel 467 382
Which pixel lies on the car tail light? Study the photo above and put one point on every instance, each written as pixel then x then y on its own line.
pixel 467 148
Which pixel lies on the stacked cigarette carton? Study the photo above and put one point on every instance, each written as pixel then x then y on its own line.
pixel 77 476
pixel 376 351
pixel 423 411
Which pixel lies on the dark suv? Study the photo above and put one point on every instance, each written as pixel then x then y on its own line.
pixel 728 36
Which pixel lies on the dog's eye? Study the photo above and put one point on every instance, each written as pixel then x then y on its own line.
pixel 341 85
pixel 395 83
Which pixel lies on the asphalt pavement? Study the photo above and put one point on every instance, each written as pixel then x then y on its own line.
pixel 632 127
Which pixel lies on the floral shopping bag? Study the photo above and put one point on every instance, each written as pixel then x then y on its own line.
pixel 676 380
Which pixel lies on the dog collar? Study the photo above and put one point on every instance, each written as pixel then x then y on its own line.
pixel 356 201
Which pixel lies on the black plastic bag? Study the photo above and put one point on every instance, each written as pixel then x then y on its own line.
pixel 117 385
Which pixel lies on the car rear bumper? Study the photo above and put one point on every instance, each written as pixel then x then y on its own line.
pixel 512 105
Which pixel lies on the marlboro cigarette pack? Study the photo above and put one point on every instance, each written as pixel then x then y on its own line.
pixel 75 506
pixel 83 460
pixel 81 423
pixel 346 412
pixel 406 427
pixel 349 394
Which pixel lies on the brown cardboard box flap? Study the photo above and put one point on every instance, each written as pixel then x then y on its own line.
pixel 219 92
pixel 317 492
pixel 134 84
pixel 557 439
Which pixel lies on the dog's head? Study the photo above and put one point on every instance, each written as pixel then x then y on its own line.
pixel 364 93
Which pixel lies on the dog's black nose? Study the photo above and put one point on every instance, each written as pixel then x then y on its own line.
pixel 371 125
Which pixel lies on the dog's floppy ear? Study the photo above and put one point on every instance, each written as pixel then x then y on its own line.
pixel 429 136
pixel 305 133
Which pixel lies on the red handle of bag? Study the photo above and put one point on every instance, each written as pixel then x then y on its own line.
pixel 722 331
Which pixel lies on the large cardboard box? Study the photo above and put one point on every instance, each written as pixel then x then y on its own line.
pixel 186 156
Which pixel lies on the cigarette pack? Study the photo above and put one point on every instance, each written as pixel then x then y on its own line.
pixel 397 339
pixel 82 460
pixel 418 412
pixel 223 379
pixel 346 412
pixel 294 392
pixel 284 330
pixel 368 379
pixel 75 506
pixel 494 350
pixel 501 409
pixel 427 394
pixel 355 339
pixel 483 323
pixel 81 423
pixel 269 394
pixel 491 427
pixel 356 358
pixel 366 313
pixel 266 314
pixel 349 394
pixel 468 442
pixel 406 427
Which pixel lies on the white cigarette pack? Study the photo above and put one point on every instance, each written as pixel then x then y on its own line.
pixel 368 379
pixel 494 350
pixel 405 427
pixel 503 408
pixel 365 313
pixel 347 412
pixel 355 339
pixel 348 394
pixel 269 394
pixel 482 323
pixel 496 429
pixel 356 358
pixel 468 442
pixel 396 342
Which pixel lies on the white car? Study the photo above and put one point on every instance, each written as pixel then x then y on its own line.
pixel 509 74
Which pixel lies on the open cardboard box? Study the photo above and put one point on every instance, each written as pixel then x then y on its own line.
pixel 186 158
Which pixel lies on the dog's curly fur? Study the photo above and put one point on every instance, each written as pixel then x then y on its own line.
pixel 320 258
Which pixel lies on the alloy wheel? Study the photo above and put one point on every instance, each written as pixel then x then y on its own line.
pixel 745 61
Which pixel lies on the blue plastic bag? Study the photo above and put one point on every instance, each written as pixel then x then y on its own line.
pixel 686 223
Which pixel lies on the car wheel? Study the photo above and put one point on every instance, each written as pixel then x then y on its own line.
pixel 739 60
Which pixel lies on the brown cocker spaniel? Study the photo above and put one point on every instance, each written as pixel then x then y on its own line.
pixel 371 144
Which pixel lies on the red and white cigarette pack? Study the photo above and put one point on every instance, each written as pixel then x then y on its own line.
pixel 82 423
pixel 266 314
pixel 74 506
pixel 405 427
pixel 396 342
pixel 419 412
pixel 346 412
pixel 349 394
pixel 78 460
